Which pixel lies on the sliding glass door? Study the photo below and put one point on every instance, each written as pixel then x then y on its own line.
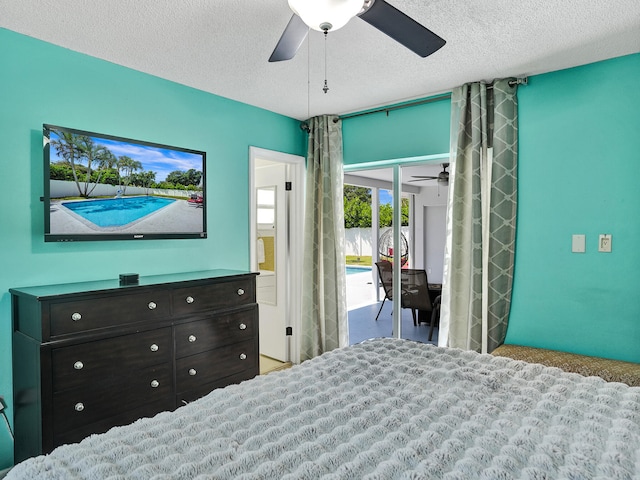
pixel 400 199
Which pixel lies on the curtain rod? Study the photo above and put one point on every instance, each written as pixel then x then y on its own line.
pixel 424 101
pixel 517 81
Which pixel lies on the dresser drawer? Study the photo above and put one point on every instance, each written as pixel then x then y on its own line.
pixel 82 315
pixel 80 406
pixel 184 398
pixel 204 298
pixel 125 417
pixel 206 367
pixel 108 360
pixel 215 332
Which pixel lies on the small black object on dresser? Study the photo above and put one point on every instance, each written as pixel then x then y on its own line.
pixel 129 278
pixel 93 355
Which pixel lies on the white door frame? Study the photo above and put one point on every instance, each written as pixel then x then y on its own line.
pixel 296 167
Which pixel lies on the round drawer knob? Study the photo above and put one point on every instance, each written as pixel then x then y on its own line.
pixel 152 305
pixel 153 347
pixel 192 371
pixel 192 338
pixel 78 365
pixel 155 383
pixel 243 356
pixel 79 407
pixel 242 326
pixel 76 316
pixel 240 291
pixel 189 299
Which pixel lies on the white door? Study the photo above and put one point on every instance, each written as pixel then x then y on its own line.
pixel 276 249
pixel 271 258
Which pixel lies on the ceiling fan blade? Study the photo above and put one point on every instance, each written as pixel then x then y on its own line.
pixel 423 177
pixel 292 37
pixel 402 28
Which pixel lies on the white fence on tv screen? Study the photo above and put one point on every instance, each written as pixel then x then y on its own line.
pixel 63 188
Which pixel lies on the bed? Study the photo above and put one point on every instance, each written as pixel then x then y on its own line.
pixel 382 409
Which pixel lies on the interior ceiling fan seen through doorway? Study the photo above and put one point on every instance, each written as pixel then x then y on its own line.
pixel 329 15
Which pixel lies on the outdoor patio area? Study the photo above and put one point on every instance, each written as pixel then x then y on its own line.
pixel 363 307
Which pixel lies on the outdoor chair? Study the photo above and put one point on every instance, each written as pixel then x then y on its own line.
pixel 196 200
pixel 386 276
pixel 435 316
pixel 415 293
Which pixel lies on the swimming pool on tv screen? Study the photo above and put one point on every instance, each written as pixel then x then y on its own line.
pixel 117 212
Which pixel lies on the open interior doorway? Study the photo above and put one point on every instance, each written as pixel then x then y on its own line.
pixel 276 223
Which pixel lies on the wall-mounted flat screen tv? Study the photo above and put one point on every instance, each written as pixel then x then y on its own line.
pixel 102 187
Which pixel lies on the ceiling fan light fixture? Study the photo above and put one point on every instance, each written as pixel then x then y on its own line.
pixel 324 15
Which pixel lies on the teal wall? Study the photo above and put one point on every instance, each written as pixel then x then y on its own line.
pixel 41 83
pixel 404 133
pixel 579 173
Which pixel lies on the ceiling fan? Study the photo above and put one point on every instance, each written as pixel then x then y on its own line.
pixel 330 15
pixel 442 177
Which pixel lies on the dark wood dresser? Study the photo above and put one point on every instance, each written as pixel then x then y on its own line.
pixel 93 355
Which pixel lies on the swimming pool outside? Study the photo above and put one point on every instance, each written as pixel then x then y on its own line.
pixel 352 269
pixel 117 212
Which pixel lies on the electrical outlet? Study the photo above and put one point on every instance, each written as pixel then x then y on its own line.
pixel 604 243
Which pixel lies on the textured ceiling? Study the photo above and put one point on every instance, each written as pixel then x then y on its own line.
pixel 222 46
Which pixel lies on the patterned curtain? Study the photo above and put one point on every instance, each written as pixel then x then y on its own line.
pixel 481 217
pixel 324 303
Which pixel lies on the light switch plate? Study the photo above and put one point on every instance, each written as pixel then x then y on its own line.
pixel 578 243
pixel 604 243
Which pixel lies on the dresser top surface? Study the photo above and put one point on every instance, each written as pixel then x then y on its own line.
pixel 44 292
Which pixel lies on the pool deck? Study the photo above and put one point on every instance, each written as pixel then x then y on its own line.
pixel 180 212
pixel 360 290
pixel 362 309
pixel 363 325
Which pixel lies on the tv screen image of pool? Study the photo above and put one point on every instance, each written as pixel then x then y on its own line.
pixel 102 187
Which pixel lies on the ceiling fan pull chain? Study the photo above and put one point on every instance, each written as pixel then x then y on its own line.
pixel 325 89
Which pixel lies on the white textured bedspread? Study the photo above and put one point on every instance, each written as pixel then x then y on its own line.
pixel 383 409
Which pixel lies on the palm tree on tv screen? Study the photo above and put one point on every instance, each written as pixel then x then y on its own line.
pixel 68 147
pixel 127 166
pixel 99 157
pixel 77 149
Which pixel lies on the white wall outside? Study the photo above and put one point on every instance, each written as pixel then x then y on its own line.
pixel 430 232
pixel 358 240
